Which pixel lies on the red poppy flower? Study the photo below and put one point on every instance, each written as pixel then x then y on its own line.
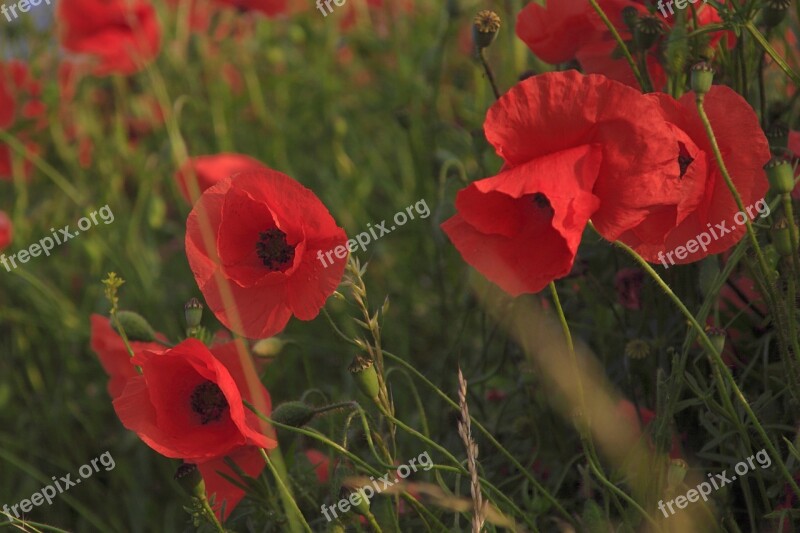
pixel 267 234
pixel 247 458
pixel 187 403
pixel 121 35
pixel 6 230
pixel 521 229
pixel 555 32
pixel 113 355
pixel 210 169
pixel 707 205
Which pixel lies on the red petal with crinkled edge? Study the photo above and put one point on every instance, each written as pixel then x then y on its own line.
pixel 521 229
pixel 638 176
pixel 745 150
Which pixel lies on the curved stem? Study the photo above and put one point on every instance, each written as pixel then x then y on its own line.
pixel 211 516
pixel 286 494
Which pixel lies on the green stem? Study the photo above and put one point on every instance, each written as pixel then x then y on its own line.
pixel 585 429
pixel 286 496
pixel 350 455
pixel 212 517
pixel 622 45
pixel 750 27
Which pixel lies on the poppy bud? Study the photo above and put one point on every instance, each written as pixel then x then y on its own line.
pixel 648 30
pixel 774 12
pixel 363 370
pixel 485 28
pixel 702 76
pixel 295 414
pixel 189 478
pixel 362 508
pixel 135 326
pixel 781 237
pixel 676 473
pixel 193 312
pixel 717 337
pixel 779 174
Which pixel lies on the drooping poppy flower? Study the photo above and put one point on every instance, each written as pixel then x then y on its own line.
pixel 210 169
pixel 266 243
pixel 6 230
pixel 121 35
pixel 187 403
pixel 521 229
pixel 113 355
pixel 707 206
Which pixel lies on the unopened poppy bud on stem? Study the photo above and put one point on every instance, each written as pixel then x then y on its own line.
pixel 779 174
pixel 676 473
pixel 189 478
pixel 136 326
pixel 485 28
pixel 717 337
pixel 702 77
pixel 363 371
pixel 295 414
pixel 193 312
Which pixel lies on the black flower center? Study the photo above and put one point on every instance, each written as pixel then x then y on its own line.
pixel 541 201
pixel 274 251
pixel 208 402
pixel 684 159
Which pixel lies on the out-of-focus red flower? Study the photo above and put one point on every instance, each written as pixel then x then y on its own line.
pixel 198 12
pixel 22 110
pixel 211 169
pixel 121 35
pixel 187 403
pixel 266 237
pixel 556 31
pixel 270 8
pixel 627 412
pixel 6 230
pixel 557 155
pixel 599 58
pixel 628 284
pixel 705 201
pixel 113 355
pixel 496 395
pixel 321 465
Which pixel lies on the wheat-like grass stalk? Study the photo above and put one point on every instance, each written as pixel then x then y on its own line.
pixel 465 431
